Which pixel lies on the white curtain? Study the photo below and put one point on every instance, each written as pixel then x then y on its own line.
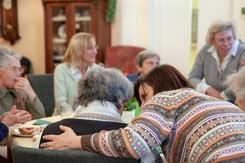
pixel 165 25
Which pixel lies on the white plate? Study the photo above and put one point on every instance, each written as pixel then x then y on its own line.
pixel 17 133
pixel 62 31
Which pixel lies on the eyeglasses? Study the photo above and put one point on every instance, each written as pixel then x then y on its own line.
pixel 15 69
pixel 93 47
pixel 221 41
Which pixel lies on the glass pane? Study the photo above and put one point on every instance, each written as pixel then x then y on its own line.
pixel 59 33
pixel 83 19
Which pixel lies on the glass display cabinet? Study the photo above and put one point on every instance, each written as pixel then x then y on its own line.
pixel 64 18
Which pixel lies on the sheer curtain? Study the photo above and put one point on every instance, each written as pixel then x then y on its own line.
pixel 159 25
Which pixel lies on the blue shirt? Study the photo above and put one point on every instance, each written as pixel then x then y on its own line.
pixel 133 77
pixel 3 131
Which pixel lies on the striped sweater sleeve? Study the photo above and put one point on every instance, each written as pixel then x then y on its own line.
pixel 139 138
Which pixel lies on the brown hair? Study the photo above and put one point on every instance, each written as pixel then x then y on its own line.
pixel 161 78
pixel 77 47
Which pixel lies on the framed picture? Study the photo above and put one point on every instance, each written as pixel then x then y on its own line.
pixel 194 25
pixel 243 12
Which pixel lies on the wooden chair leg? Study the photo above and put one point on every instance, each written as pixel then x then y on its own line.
pixel 3 159
pixel 9 155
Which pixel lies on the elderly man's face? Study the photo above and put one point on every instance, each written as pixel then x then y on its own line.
pixel 9 74
pixel 148 64
pixel 240 102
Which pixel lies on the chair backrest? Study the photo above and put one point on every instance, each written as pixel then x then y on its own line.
pixel 122 57
pixel 43 85
pixel 29 155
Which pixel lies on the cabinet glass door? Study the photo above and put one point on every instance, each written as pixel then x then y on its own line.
pixel 59 30
pixel 83 19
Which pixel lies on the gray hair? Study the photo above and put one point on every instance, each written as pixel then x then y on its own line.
pixel 144 55
pixel 5 54
pixel 237 82
pixel 220 26
pixel 104 84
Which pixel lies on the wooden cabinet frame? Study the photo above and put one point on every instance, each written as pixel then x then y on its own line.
pixel 99 27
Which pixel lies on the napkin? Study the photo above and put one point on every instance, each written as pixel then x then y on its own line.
pixel 42 122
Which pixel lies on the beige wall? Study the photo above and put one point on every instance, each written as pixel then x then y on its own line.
pixel 166 25
pixel 31 31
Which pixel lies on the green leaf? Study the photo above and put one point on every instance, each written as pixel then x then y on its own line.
pixel 110 10
pixel 131 104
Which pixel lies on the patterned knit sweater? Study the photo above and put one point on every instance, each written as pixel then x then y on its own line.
pixel 190 127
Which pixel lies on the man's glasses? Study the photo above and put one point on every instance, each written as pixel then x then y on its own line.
pixel 15 69
pixel 93 47
pixel 221 41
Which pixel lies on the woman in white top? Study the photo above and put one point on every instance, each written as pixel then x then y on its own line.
pixel 78 59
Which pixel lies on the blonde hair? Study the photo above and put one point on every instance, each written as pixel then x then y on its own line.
pixel 220 25
pixel 77 47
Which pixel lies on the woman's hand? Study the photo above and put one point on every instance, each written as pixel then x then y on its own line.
pixel 16 116
pixel 67 140
pixel 24 85
pixel 214 93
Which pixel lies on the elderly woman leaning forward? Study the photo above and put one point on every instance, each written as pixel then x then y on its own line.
pixel 101 96
pixel 189 126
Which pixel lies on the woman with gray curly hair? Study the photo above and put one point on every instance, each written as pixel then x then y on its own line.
pixel 220 57
pixel 101 96
pixel 237 84
pixel 103 90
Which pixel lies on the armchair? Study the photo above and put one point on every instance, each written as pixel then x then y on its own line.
pixel 122 57
pixel 43 85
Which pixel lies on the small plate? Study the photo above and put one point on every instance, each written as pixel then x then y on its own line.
pixel 16 132
pixel 62 31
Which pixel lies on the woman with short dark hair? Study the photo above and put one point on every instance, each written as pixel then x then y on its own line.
pixel 101 96
pixel 188 125
pixel 172 78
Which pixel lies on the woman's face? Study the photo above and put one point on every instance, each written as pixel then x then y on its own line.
pixel 145 93
pixel 148 64
pixel 9 74
pixel 90 54
pixel 223 42
pixel 240 103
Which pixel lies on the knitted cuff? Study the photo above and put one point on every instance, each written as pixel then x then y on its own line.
pixel 85 142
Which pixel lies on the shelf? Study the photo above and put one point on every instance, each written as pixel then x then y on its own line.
pixel 58 57
pixel 83 18
pixel 59 19
pixel 59 40
pixel 63 18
